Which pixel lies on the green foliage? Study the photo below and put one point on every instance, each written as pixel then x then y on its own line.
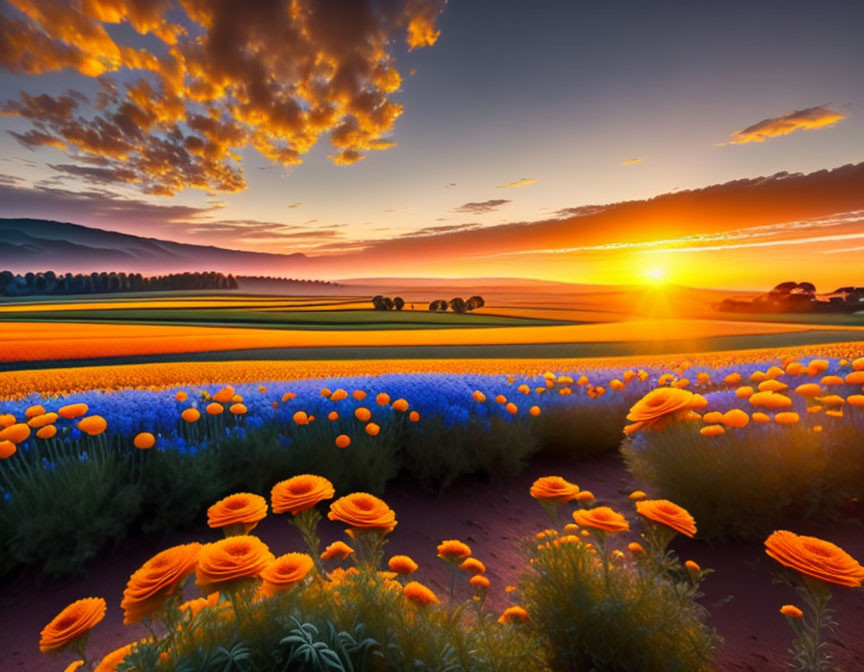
pixel 639 614
pixel 747 482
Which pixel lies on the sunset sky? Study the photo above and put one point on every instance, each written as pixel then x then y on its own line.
pixel 476 137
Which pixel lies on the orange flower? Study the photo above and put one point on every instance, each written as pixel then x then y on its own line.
pixel 338 549
pixel 787 418
pixel 478 396
pixel 372 429
pixel 815 558
pixel 732 379
pixel 6 420
pixel 809 390
pixel 284 572
pixel 241 512
pixel 511 408
pixel 288 396
pixel 343 441
pixel 534 411
pixel 161 576
pixel 554 489
pixel 772 386
pixel 300 493
pixel 791 611
pixel 744 392
pixel 636 495
pixel 761 418
pixel 418 594
pixel 191 415
pixel 181 396
pixel 516 614
pixel 363 511
pixel 479 581
pixel 38 421
pixel 15 433
pixel 363 414
pixel 93 425
pixel 359 395
pixel 770 400
pixel 232 559
pixel 225 395
pixel 601 518
pixel 214 409
pixel 635 548
pixel 112 660
pixel 660 405
pixel 414 416
pixel 33 411
pixel 382 399
pixel 73 622
pixel 195 606
pixel 585 496
pixel 72 667
pixel 402 564
pixel 338 395
pixel 73 411
pixel 472 566
pixel 667 513
pixel 712 430
pixel 400 405
pixel 144 441
pixel 300 418
pixel 8 449
pixel 453 550
pixel 333 416
pixel 736 418
pixel 237 409
pixel 47 432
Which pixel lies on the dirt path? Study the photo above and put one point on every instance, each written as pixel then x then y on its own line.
pixel 492 518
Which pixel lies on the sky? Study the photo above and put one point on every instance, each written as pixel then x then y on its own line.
pixel 476 137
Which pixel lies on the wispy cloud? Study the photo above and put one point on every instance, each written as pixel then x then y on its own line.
pixel 524 182
pixel 633 161
pixel 481 207
pixel 798 120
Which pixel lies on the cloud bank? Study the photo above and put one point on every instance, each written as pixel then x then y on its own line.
pixel 798 120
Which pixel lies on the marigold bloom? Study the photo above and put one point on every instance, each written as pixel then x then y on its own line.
pixel 195 606
pixel 93 425
pixel 713 417
pixel 667 513
pixel 6 420
pixel 744 392
pixel 418 594
pixel 72 411
pixel 231 559
pixel 225 395
pixel 585 496
pixel 300 493
pixel 301 418
pixel 472 566
pixel 191 415
pixel 38 421
pixel 635 548
pixel 659 406
pixel 214 409
pixel 400 405
pixel 637 495
pixel 772 386
pixel 479 581
pixel 363 414
pixel 736 418
pixel 414 416
pixel 288 396
pixel 383 399
pixel 712 430
pixel 831 400
pixel 855 378
pixel 333 416
pixel 72 667
pixel 33 411
pixel 338 395
pixel 144 441
pixel 692 567
pixel 402 564
pixel 791 611
pixel 771 400
pixel 815 558
pixel 554 489
pixel 112 660
pixel 237 409
pixel 284 572
pixel 855 400
pixel 161 576
pixel 534 411
pixel 513 614
pixel 363 511
pixel 809 390
pixel 15 433
pixel 46 432
pixel 761 418
pixel 181 396
pixel 732 379
pixel 453 550
pixel 343 441
pixel 73 622
pixel 8 449
pixel 372 429
pixel 601 518
pixel 242 510
pixel 325 392
pixel 478 396
pixel 787 418
pixel 501 399
pixel 338 549
pixel 511 408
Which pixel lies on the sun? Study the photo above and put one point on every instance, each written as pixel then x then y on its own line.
pixel 655 275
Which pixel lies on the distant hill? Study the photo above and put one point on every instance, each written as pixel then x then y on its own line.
pixel 39 245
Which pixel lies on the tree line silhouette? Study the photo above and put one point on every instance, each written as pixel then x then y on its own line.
pixel 50 283
pixel 457 305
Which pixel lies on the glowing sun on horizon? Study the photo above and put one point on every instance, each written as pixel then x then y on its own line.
pixel 654 275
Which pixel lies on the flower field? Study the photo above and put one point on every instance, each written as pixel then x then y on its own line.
pixel 729 446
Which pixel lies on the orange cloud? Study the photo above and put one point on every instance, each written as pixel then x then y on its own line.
pixel 524 182
pixel 221 77
pixel 632 162
pixel 798 120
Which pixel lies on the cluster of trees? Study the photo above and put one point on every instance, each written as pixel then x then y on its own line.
pixel 457 305
pixel 386 303
pixel 800 297
pixel 50 283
